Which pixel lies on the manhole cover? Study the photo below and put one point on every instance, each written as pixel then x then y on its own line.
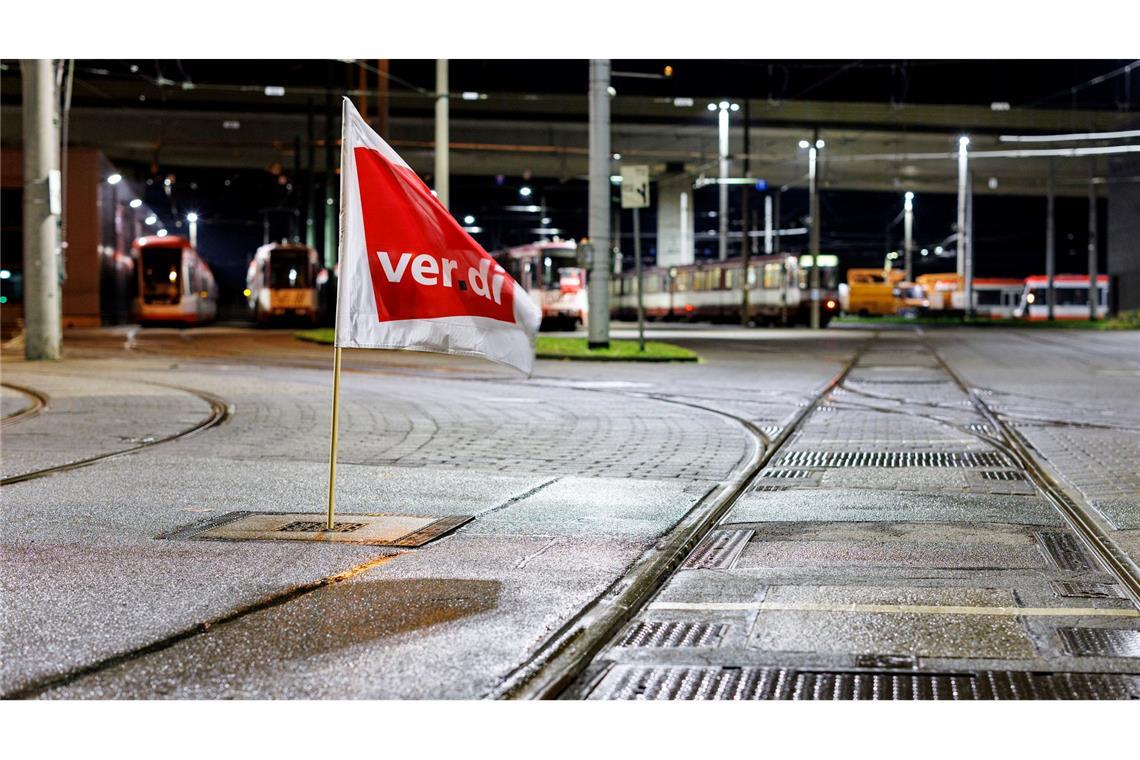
pixel 739 683
pixel 372 530
pixel 1100 642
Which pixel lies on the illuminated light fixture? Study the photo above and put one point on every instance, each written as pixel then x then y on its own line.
pixel 473 230
pixel 668 71
pixel 963 141
pixel 1030 298
pixel 525 191
pixel 734 107
pixel 5 274
pixel 617 157
pixel 544 220
pixel 611 90
pixel 992 183
pixel 712 106
pixel 469 219
pixel 167 182
pixel 114 179
pixel 819 144
pixel 1126 134
pixel 274 91
pixel 524 209
pixel 804 144
pixel 925 252
pixel 723 104
pixel 172 276
pixel 231 124
pixel 192 217
pixel 151 220
pixel 247 292
pixel 938 249
pixel 135 203
pixel 615 179
pixel 999 105
pixel 470 95
pixel 683 102
pixel 162 232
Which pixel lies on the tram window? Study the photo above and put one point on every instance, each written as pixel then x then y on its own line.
pixel 729 279
pixel 988 297
pixel 289 269
pixel 771 276
pixel 714 283
pixel 162 275
pixel 751 276
pixel 683 282
pixel 652 284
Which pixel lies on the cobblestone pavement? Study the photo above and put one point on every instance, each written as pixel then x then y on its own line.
pixel 891 542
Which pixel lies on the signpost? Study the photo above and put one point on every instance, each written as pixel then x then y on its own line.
pixel 635 195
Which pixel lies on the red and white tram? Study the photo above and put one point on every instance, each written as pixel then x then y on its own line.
pixel 997 297
pixel 1071 297
pixel 550 272
pixel 282 282
pixel 175 285
pixel 778 291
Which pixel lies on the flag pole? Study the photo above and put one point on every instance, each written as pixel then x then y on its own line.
pixel 336 323
pixel 335 425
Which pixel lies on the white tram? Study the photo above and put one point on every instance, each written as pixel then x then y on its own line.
pixel 1071 297
pixel 551 274
pixel 282 282
pixel 175 285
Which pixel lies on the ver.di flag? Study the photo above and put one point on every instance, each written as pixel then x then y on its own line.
pixel 410 275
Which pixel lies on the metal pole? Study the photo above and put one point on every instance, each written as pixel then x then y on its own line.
pixel 382 99
pixel 442 137
pixel 768 225
pixel 723 186
pixel 330 251
pixel 42 297
pixel 335 429
pixel 598 290
pixel 310 187
pixel 814 241
pixel 963 142
pixel 1093 294
pixel 745 227
pixel 908 237
pixel 637 264
pixel 1050 244
pixel 783 260
pixel 969 244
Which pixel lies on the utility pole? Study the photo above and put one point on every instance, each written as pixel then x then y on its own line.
pixel 969 244
pixel 598 288
pixel 42 201
pixel 908 235
pixel 813 243
pixel 768 224
pixel 1094 297
pixel 1050 245
pixel 330 251
pixel 745 228
pixel 963 142
pixel 722 186
pixel 310 186
pixel 442 138
pixel 783 259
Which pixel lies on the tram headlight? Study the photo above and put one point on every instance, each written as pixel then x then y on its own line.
pixel 246 292
pixel 1030 298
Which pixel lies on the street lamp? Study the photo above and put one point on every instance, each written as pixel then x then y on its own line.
pixel 192 217
pixel 525 191
pixel 723 107
pixel 908 238
pixel 813 149
pixel 964 264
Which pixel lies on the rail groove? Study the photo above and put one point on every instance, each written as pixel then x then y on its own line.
pixel 219 412
pixel 39 403
pixel 564 655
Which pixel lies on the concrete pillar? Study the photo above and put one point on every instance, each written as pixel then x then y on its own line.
pixel 675 220
pixel 42 189
pixel 1123 230
pixel 598 287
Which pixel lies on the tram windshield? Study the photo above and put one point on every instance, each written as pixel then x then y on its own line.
pixel 289 269
pixel 552 263
pixel 162 275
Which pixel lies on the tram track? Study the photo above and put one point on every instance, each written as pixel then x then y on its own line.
pixel 564 656
pixel 39 403
pixel 220 411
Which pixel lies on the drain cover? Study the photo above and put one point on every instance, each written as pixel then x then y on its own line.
pixel 719 550
pixel 893 459
pixel 1101 642
pixel 786 474
pixel 1002 475
pixel 733 683
pixel 674 634
pixel 1064 551
pixel 373 530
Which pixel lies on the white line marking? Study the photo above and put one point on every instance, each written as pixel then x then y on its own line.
pixel 919 609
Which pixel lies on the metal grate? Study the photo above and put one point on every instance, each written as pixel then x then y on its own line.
pixel 1064 551
pixel 1002 475
pixel 980 427
pixel 1101 642
pixel 738 683
pixel 674 634
pixel 772 431
pixel 305 526
pixel 1088 589
pixel 769 488
pixel 719 550
pixel 893 459
pixel 787 474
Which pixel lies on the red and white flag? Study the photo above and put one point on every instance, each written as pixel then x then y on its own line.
pixel 410 275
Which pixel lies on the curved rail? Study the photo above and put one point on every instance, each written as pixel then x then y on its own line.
pixel 219 412
pixel 39 403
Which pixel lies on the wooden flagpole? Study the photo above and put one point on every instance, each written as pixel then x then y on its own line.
pixel 335 426
pixel 336 323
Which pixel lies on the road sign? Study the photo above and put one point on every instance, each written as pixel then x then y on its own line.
pixel 634 186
